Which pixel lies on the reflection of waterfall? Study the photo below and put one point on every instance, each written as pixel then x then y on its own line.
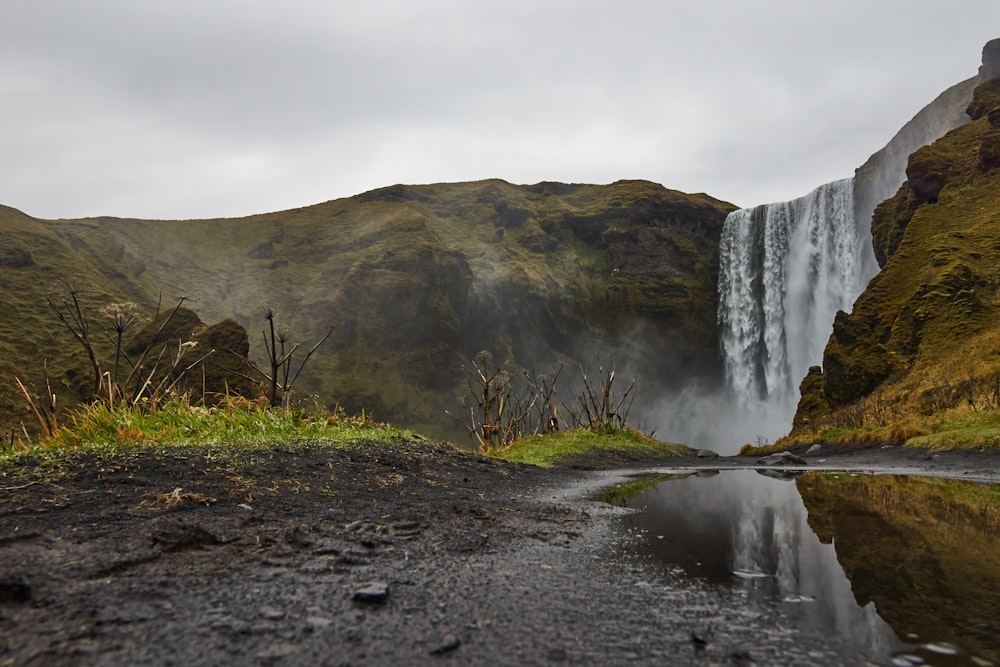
pixel 744 529
pixel 785 270
pixel 772 537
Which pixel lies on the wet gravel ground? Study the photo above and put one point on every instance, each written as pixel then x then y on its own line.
pixel 380 555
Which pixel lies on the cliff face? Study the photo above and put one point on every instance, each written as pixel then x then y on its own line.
pixel 881 175
pixel 922 339
pixel 416 280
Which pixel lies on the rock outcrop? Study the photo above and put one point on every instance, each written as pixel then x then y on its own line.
pixel 920 337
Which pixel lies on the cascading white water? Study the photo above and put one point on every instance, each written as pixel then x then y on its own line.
pixel 785 269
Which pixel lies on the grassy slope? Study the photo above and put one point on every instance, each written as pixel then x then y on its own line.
pixel 417 280
pixel 583 447
pixel 34 261
pixel 918 359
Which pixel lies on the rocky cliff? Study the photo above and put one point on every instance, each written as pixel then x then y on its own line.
pixel 922 344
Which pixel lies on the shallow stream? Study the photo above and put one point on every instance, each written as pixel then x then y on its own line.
pixel 904 570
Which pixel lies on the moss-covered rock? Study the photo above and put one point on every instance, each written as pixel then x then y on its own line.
pixel 889 222
pixel 813 406
pixel 224 372
pixel 989 150
pixel 854 361
pixel 926 173
pixel 985 97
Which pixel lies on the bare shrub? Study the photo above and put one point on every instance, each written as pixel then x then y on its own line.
pixel 280 349
pixel 543 389
pixel 497 412
pixel 501 406
pixel 599 406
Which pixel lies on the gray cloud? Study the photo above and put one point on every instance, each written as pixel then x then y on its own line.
pixel 195 109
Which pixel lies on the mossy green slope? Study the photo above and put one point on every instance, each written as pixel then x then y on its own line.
pixel 922 345
pixel 417 279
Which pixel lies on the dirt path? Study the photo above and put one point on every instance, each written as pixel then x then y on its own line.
pixel 383 554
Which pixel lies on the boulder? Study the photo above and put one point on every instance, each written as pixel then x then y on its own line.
pixel 707 454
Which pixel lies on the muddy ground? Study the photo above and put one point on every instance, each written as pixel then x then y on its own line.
pixel 379 555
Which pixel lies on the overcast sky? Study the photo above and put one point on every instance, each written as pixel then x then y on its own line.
pixel 190 109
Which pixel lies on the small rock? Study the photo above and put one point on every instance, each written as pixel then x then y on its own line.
pixel 314 623
pixel 941 648
pixel 447 643
pixel 376 591
pixel 814 449
pixel 707 454
pixel 272 614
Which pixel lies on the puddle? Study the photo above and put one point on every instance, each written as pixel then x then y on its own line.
pixel 903 569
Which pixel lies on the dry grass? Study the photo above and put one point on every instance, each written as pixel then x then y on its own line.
pixel 170 500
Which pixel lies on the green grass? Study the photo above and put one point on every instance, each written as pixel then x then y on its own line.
pixel 972 431
pixel 556 448
pixel 109 431
pixel 952 429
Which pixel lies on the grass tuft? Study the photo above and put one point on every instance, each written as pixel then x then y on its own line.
pixel 107 430
pixel 556 448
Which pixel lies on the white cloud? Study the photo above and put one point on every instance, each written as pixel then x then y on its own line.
pixel 192 109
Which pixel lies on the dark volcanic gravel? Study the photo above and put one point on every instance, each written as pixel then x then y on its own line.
pixel 378 555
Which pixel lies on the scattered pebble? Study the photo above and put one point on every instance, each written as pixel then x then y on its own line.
pixel 314 623
pixel 941 648
pixel 272 614
pixel 376 591
pixel 448 643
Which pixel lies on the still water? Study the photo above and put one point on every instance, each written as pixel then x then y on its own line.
pixel 905 570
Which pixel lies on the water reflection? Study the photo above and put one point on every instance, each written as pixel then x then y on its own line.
pixel 886 564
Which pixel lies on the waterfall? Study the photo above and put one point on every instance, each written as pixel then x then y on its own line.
pixel 785 269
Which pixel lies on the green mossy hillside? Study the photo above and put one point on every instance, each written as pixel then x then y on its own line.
pixel 416 280
pixel 920 352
